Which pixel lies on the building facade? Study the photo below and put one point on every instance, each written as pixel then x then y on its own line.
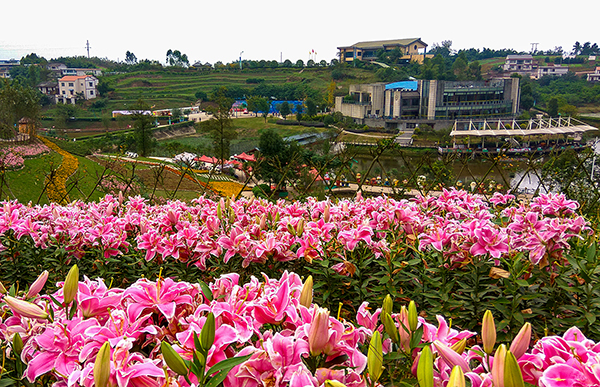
pixel 520 64
pixel 412 48
pixel 72 87
pixel 595 77
pixel 390 104
pixel 554 71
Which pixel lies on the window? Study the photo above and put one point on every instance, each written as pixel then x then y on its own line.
pixel 62 84
pixel 91 92
pixel 91 84
pixel 64 92
pixel 70 84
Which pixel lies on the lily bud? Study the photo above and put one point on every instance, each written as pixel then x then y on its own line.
pixel 102 366
pixel 17 344
pixel 390 326
pixel 300 227
pixel 207 334
pixel 498 366
pixel 334 383
pixel 71 285
pixel 521 342
pixel 39 283
pixel 219 213
pixel 291 229
pixel 425 368
pixel 457 378
pixel 25 309
pixel 388 305
pixel 512 373
pixel 375 358
pixel 2 289
pixel 318 333
pixel 326 213
pixel 404 329
pixel 263 221
pixel 450 357
pixel 413 316
pixel 459 346
pixel 173 359
pixel 306 296
pixel 488 332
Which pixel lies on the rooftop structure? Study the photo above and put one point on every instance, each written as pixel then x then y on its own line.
pixel 412 48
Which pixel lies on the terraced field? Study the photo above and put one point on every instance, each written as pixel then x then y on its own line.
pixel 166 89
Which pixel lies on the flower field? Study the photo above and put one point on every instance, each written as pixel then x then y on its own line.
pixel 56 182
pixel 303 293
pixel 13 157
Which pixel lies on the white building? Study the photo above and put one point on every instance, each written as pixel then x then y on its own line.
pixel 595 77
pixel 519 63
pixel 557 71
pixel 72 87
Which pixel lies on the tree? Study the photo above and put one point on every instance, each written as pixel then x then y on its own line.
pixel 300 63
pixel 220 127
pixel 444 49
pixel 552 107
pixel 276 156
pixel 311 107
pixel 201 95
pixel 576 48
pixel 16 102
pixel 258 104
pixel 130 58
pixel 142 123
pixel 284 109
pixel 177 59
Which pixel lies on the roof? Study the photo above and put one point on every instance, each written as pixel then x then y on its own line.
pixel 75 77
pixel 519 57
pixel 406 85
pixel 382 43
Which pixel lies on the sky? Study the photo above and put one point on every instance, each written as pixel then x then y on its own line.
pixel 211 31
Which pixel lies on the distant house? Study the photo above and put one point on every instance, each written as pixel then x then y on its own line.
pixel 595 77
pixel 521 64
pixel 557 71
pixel 412 48
pixel 56 66
pixel 6 65
pixel 72 87
pixel 48 88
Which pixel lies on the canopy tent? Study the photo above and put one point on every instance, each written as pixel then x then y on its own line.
pixel 246 157
pixel 206 159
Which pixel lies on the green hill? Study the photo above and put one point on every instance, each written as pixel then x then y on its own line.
pixel 172 88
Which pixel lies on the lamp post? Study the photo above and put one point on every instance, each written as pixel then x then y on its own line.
pixel 241 59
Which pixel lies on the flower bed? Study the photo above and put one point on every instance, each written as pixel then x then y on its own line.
pixel 56 182
pixel 455 254
pixel 86 332
pixel 13 157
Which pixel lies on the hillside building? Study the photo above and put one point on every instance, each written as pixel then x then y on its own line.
pixel 412 48
pixel 594 77
pixel 520 64
pixel 72 87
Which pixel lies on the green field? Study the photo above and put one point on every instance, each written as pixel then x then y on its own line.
pixel 168 89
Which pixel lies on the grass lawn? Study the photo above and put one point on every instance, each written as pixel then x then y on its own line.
pixel 27 184
pixel 249 131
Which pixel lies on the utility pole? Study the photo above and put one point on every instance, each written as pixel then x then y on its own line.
pixel 87 46
pixel 241 59
pixel 534 48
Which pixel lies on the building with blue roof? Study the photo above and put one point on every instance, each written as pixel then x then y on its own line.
pixel 390 104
